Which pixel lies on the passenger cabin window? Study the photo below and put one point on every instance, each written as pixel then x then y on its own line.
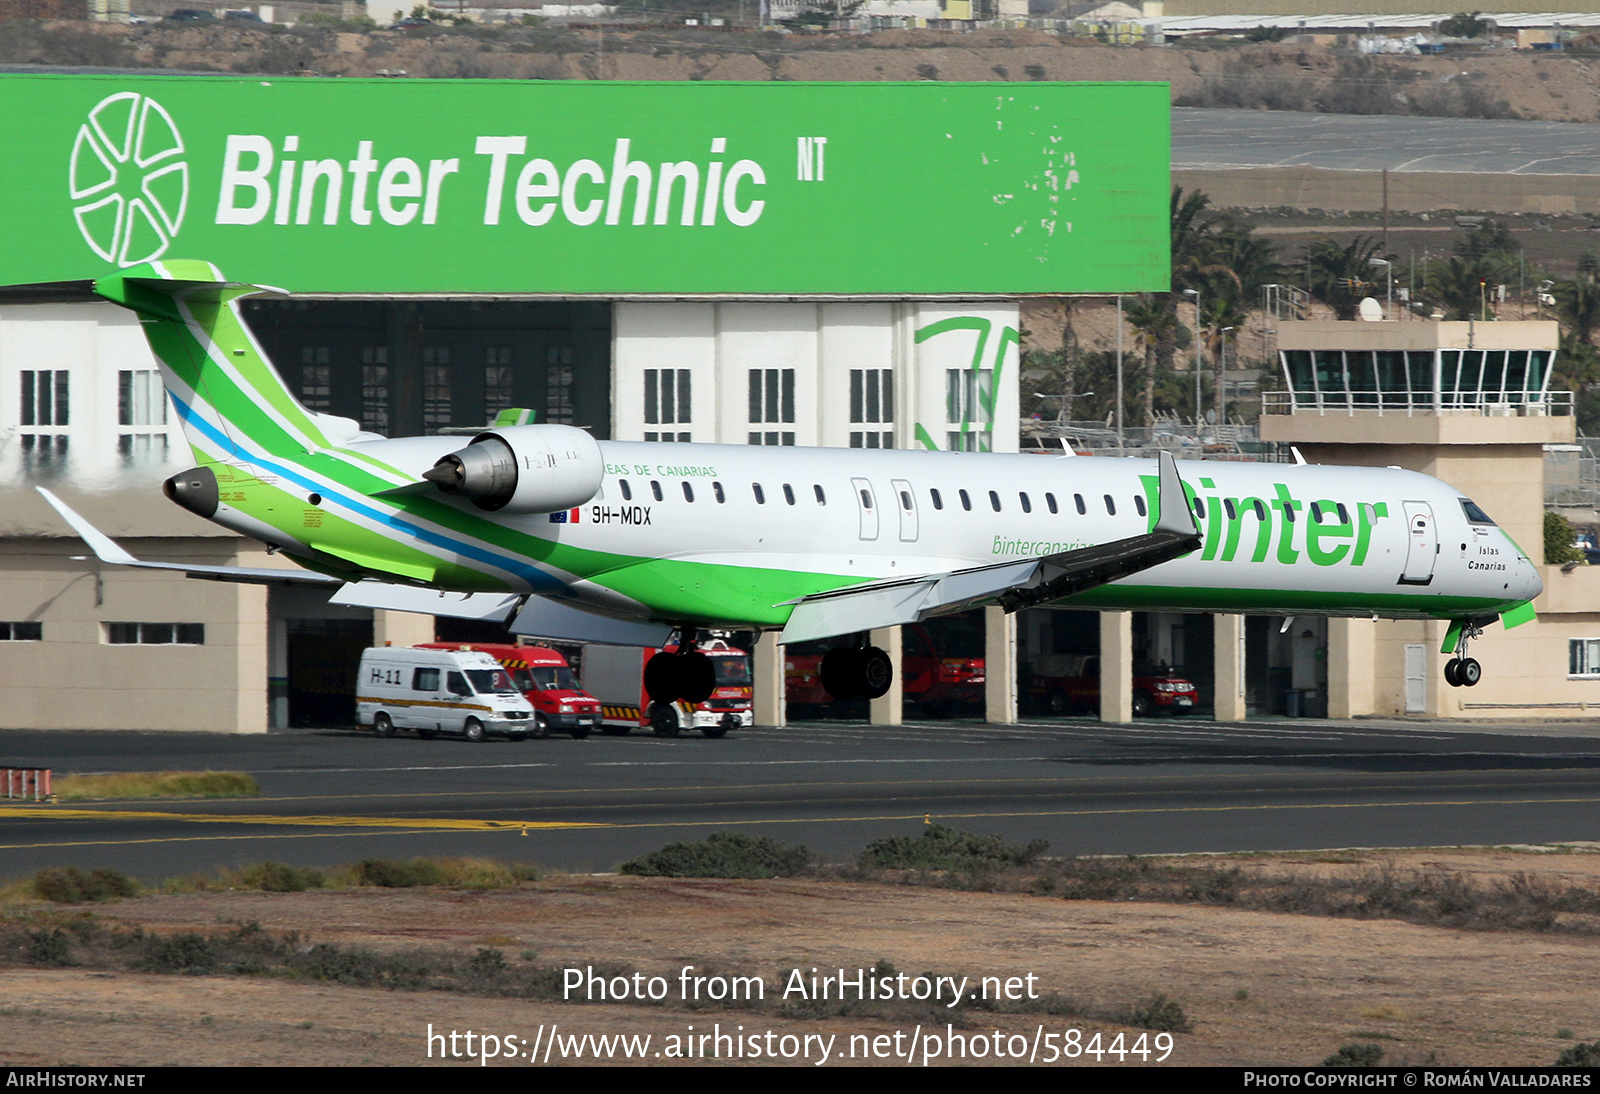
pixel 866 500
pixel 655 489
pixel 1027 506
pixel 1050 500
pixel 688 491
pixel 1078 501
pixel 1227 507
pixel 1138 504
pixel 1200 508
pixel 816 488
pixel 1260 508
pixel 1111 505
pixel 905 500
pixel 761 496
pixel 1288 512
pixel 966 500
pixel 1344 514
pixel 938 502
pixel 788 493
pixel 627 491
pixel 994 501
pixel 716 490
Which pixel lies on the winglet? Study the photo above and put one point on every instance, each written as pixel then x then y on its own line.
pixel 104 548
pixel 1177 516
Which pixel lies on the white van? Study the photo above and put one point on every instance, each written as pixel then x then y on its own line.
pixel 439 691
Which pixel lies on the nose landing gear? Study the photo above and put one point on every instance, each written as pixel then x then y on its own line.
pixel 1462 671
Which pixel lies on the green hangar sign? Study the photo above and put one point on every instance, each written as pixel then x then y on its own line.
pixel 427 186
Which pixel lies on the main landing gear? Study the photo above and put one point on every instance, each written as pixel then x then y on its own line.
pixel 687 674
pixel 862 672
pixel 1462 671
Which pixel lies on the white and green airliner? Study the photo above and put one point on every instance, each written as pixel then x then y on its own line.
pixel 564 536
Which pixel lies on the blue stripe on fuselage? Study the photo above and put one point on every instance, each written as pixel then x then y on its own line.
pixel 540 582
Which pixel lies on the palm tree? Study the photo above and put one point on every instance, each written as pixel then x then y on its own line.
pixel 1340 276
pixel 1156 323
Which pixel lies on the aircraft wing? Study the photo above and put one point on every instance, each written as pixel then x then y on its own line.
pixel 1013 585
pixel 106 550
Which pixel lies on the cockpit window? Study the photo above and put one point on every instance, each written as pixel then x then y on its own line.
pixel 1474 514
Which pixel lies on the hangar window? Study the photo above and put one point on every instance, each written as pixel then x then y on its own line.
pixel 497 394
pixel 668 437
pixel 558 385
pixel 142 412
pixel 1583 656
pixel 21 632
pixel 667 396
pixel 871 403
pixel 773 437
pixel 45 397
pixel 969 403
pixel 435 388
pixel 375 389
pixel 316 387
pixel 155 634
pixel 771 394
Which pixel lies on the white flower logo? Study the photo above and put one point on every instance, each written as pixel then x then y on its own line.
pixel 127 181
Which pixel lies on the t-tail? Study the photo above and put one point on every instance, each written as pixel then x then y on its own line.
pixel 230 400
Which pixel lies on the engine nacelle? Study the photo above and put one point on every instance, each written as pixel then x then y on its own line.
pixel 524 469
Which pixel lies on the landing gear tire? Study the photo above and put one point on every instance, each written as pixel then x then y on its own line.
pixel 1452 671
pixel 837 673
pixel 856 674
pixel 874 672
pixel 661 677
pixel 473 730
pixel 1470 672
pixel 541 726
pixel 697 677
pixel 381 725
pixel 664 720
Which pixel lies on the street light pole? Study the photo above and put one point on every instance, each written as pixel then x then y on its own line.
pixel 1198 361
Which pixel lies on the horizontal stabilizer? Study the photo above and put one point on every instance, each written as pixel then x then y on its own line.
pixel 106 550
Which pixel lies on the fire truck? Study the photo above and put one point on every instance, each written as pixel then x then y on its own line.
pixel 544 676
pixel 615 674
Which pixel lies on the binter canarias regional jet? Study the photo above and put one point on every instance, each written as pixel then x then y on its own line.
pixel 564 536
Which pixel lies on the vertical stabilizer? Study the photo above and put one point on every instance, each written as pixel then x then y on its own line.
pixel 229 398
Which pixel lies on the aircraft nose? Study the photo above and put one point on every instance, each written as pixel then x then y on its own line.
pixel 1526 583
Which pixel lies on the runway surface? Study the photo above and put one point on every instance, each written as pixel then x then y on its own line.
pixel 1159 786
pixel 1268 138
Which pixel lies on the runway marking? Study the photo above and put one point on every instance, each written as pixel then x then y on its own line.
pixel 327 821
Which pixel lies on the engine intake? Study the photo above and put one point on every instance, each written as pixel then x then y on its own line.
pixel 524 469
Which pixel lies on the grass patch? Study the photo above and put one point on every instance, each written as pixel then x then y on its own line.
pixel 157 784
pixel 943 848
pixel 723 854
pixel 452 873
pixel 70 885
